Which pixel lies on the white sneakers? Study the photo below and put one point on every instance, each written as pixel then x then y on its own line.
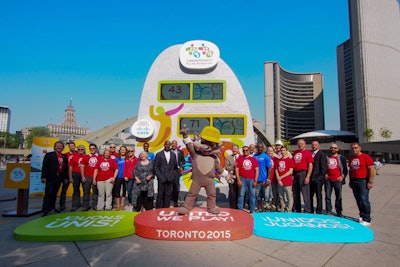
pixel 360 220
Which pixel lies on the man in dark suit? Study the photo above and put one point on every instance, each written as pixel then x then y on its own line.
pixel 181 161
pixel 54 171
pixel 318 176
pixel 165 168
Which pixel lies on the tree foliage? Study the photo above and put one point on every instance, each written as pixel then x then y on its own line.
pixel 40 131
pixel 10 140
pixel 369 134
pixel 385 133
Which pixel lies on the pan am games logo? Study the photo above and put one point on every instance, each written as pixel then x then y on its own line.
pixel 199 54
pixel 77 226
pixel 199 51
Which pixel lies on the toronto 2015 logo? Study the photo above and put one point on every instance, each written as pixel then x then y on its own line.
pixel 199 51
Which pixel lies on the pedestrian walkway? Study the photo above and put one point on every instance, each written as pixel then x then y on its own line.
pixel 253 251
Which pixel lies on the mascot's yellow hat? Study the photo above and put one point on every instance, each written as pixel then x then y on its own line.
pixel 211 134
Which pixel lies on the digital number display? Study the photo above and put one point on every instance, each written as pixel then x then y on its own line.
pixel 171 91
pixel 208 91
pixel 229 125
pixel 195 124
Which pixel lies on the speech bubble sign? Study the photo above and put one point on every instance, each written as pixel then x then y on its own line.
pixel 78 226
pixel 305 227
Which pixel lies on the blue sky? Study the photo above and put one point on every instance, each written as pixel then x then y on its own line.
pixel 99 52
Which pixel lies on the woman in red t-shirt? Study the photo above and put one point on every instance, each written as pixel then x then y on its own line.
pixel 130 161
pixel 104 177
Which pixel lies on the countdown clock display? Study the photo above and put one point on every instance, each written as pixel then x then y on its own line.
pixel 229 126
pixel 171 91
pixel 192 91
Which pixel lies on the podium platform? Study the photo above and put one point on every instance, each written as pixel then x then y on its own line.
pixel 198 225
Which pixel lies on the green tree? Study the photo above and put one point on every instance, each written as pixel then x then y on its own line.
pixel 385 133
pixel 286 143
pixel 11 140
pixel 39 131
pixel 369 134
pixel 4 139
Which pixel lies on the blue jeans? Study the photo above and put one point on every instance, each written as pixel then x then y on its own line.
pixel 247 185
pixel 129 188
pixel 337 186
pixel 361 194
pixel 261 191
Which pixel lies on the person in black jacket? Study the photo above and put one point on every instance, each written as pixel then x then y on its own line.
pixel 181 161
pixel 165 167
pixel 318 176
pixel 54 171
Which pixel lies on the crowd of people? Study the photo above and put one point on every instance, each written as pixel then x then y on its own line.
pixel 277 180
pixel 265 179
pixel 109 179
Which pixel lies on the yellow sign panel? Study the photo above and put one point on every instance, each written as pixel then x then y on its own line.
pixel 78 143
pixel 17 175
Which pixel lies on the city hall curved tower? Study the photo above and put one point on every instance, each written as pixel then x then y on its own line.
pixel 293 102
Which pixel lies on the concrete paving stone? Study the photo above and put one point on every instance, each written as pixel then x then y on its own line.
pixel 375 253
pixel 18 254
pixel 263 245
pixel 307 254
pixel 387 229
pixel 65 260
pixel 146 252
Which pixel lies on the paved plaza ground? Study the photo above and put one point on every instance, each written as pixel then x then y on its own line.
pixel 253 251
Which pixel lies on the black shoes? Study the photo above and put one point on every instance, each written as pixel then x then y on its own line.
pixel 87 208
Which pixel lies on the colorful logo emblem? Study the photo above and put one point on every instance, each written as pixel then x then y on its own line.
pixel 142 128
pixel 199 54
pixel 17 175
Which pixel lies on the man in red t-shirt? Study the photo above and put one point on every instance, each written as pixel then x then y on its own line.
pixel 65 184
pixel 361 172
pixel 88 165
pixel 303 165
pixel 74 173
pixel 247 171
pixel 113 151
pixel 335 175
pixel 284 176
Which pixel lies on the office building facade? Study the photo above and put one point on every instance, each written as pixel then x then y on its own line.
pixel 5 116
pixel 293 102
pixel 375 52
pixel 346 87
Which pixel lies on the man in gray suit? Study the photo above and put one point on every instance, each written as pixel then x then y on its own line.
pixel 165 167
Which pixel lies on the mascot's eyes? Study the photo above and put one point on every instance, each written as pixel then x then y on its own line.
pixel 210 144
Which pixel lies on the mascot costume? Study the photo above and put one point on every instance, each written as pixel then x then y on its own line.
pixel 205 163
